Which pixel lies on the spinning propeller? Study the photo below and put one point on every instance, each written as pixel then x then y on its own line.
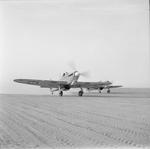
pixel 73 67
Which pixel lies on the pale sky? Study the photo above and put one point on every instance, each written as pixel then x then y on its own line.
pixel 109 38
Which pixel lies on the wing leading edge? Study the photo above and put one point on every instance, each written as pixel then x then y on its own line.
pixel 113 86
pixel 90 84
pixel 42 83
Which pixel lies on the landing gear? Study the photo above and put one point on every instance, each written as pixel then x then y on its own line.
pixel 108 91
pixel 100 91
pixel 61 93
pixel 51 91
pixel 80 93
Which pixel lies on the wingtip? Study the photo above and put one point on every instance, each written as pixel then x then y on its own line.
pixel 16 80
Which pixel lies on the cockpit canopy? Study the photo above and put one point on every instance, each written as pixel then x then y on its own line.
pixel 65 74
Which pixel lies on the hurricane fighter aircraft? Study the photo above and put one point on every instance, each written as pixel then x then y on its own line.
pixel 68 81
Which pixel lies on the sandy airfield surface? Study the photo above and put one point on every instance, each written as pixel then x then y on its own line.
pixel 119 119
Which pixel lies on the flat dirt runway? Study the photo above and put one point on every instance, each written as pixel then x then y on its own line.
pixel 118 119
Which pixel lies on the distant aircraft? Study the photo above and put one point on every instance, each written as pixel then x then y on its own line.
pixel 68 81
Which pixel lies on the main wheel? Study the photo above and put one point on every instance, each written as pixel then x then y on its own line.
pixel 108 91
pixel 61 93
pixel 80 93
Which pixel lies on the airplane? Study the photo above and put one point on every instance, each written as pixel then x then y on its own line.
pixel 68 81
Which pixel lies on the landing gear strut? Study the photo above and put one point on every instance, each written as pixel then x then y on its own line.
pixel 100 91
pixel 108 91
pixel 61 93
pixel 51 91
pixel 80 93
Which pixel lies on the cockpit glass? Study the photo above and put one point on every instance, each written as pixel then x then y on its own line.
pixel 70 74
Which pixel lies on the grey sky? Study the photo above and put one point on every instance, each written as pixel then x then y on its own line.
pixel 110 38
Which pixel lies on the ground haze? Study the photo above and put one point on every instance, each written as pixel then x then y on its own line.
pixel 119 119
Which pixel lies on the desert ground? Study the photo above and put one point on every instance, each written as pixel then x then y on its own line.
pixel 115 120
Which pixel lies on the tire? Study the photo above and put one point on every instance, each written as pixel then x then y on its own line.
pixel 61 93
pixel 80 93
pixel 108 91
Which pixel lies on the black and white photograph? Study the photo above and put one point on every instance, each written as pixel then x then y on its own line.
pixel 74 74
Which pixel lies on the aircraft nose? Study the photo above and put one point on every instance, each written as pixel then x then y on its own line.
pixel 76 73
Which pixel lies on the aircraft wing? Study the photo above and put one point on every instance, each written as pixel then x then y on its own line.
pixel 113 86
pixel 88 85
pixel 42 83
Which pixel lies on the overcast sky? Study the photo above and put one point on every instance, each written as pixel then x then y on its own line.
pixel 109 38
